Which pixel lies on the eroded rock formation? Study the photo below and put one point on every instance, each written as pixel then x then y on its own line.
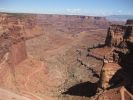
pixel 12 40
pixel 117 62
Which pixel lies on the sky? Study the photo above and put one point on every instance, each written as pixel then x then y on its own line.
pixel 71 7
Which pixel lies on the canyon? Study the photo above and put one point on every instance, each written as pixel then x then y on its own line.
pixel 62 57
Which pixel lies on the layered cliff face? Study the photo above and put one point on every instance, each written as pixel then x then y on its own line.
pixel 118 34
pixel 120 39
pixel 115 35
pixel 12 40
pixel 117 63
pixel 130 22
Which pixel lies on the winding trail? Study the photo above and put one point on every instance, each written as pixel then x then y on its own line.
pixel 32 96
pixel 8 95
pixel 30 75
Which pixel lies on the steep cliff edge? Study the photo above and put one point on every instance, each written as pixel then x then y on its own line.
pixel 117 55
pixel 12 40
pixel 130 22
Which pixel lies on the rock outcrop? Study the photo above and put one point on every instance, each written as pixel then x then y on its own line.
pixel 108 71
pixel 117 68
pixel 118 35
pixel 130 22
pixel 116 94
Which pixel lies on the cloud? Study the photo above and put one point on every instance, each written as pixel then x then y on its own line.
pixel 7 10
pixel 130 12
pixel 73 11
pixel 119 12
pixel 2 8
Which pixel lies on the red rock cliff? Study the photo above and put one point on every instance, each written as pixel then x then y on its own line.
pixel 12 40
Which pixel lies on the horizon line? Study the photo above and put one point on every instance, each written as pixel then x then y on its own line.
pixel 64 14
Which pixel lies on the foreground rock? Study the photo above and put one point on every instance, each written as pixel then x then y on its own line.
pixel 117 55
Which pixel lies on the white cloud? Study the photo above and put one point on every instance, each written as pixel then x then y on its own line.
pixel 2 9
pixel 7 10
pixel 119 11
pixel 130 12
pixel 73 11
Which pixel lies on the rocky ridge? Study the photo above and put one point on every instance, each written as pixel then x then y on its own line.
pixel 116 54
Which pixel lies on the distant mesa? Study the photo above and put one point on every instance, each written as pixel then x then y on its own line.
pixel 119 17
